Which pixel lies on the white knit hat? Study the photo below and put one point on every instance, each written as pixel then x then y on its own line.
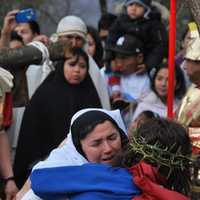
pixel 72 25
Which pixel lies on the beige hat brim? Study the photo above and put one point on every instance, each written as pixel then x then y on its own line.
pixel 75 32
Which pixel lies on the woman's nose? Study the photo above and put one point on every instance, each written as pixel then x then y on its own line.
pixel 107 147
pixel 76 68
pixel 164 83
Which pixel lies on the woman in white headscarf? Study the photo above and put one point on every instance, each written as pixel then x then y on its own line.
pixel 147 168
pixel 83 123
pixel 69 153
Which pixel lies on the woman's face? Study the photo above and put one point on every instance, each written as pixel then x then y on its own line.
pixel 161 82
pixel 75 70
pixel 103 144
pixel 91 45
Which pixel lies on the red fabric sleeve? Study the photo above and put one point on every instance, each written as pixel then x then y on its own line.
pixel 146 178
pixel 114 80
pixel 7 110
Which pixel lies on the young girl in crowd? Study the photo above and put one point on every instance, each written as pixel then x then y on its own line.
pixel 47 117
pixel 95 48
pixel 156 100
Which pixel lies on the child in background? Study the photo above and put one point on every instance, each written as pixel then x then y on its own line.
pixel 141 21
pixel 145 24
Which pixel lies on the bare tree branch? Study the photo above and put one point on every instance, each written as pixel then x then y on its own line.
pixel 180 5
pixel 103 6
pixel 194 6
pixel 47 14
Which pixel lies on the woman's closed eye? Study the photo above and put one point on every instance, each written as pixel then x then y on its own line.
pixel 96 143
pixel 113 136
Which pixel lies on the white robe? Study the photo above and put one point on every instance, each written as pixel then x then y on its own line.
pixel 153 103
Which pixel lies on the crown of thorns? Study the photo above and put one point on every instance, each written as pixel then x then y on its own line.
pixel 159 155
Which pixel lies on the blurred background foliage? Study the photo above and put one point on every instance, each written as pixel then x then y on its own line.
pixel 49 12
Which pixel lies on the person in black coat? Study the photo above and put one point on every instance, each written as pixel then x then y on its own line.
pixel 143 22
pixel 47 117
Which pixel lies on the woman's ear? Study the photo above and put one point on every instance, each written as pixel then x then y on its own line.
pixel 140 58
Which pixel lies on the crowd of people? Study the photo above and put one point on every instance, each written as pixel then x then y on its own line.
pixel 100 111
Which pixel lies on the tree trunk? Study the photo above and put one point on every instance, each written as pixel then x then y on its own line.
pixel 31 55
pixel 194 6
pixel 180 5
pixel 103 6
